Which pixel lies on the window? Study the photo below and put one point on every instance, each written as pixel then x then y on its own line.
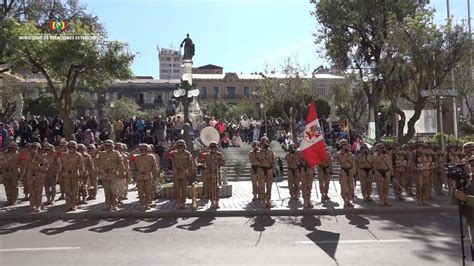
pixel 140 98
pixel 216 92
pixel 231 92
pixel 107 96
pixel 246 92
pixel 158 97
pixel 176 71
pixel 321 89
pixel 257 92
pixel 167 58
pixel 203 92
pixel 166 71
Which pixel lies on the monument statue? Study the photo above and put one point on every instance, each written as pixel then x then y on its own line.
pixel 188 48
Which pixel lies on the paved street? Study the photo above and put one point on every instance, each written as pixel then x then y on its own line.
pixel 417 239
pixel 239 204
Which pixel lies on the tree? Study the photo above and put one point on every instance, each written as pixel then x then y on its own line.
pixel 65 64
pixel 123 108
pixel 420 55
pixel 463 77
pixel 218 109
pixel 43 105
pixel 354 34
pixel 352 105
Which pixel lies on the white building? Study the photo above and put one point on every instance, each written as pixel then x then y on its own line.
pixel 170 63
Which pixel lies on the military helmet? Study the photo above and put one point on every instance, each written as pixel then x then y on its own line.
pixel 180 143
pixel 396 144
pixel 13 145
pixel 72 143
pixel 255 143
pixel 109 143
pixel 35 145
pixel 379 145
pixel 63 143
pixel 343 141
pixel 91 147
pixel 81 147
pixel 143 146
pixel 468 145
pixel 213 144
pixel 264 138
pixel 48 147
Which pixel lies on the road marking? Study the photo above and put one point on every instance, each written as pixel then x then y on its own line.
pixel 369 241
pixel 38 249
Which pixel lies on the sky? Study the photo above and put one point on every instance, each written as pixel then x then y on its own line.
pixel 239 35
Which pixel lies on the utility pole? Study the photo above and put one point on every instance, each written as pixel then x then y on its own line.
pixel 455 109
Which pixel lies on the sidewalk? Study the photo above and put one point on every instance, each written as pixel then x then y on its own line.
pixel 240 204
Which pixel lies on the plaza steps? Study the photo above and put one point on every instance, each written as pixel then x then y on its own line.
pixel 238 168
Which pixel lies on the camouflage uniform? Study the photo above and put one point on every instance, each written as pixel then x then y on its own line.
pixel 51 177
pixel 400 168
pixel 346 161
pixel 183 169
pixel 364 163
pixel 85 176
pixel 35 170
pixel 92 182
pixel 266 170
pixel 213 161
pixel 122 180
pixel 61 149
pixel 204 177
pixel 306 174
pixel 110 168
pixel 11 173
pixel 156 172
pixel 293 161
pixel 383 172
pixel 72 163
pixel 253 155
pixel 411 170
pixel 144 167
pixel 439 160
pixel 325 170
pixel 23 163
pixel 423 169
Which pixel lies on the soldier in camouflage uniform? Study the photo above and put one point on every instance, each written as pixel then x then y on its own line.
pixel 11 173
pixel 266 172
pixel 383 171
pixel 23 163
pixel 306 174
pixel 110 168
pixel 400 168
pixel 253 155
pixel 365 164
pixel 439 160
pixel 85 176
pixel 92 182
pixel 36 167
pixel 213 161
pixel 183 169
pixel 293 161
pixel 325 170
pixel 411 169
pixel 156 172
pixel 51 177
pixel 423 173
pixel 61 149
pixel 72 163
pixel 122 181
pixel 144 167
pixel 346 161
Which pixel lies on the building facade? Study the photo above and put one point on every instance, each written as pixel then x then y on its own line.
pixel 170 63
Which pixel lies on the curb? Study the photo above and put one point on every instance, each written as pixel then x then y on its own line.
pixel 123 214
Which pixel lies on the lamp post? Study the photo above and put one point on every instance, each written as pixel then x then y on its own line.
pixel 369 76
pixel 262 106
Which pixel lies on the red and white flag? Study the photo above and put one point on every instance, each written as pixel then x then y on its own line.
pixel 312 145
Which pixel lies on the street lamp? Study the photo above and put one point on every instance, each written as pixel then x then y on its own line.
pixel 264 118
pixel 369 75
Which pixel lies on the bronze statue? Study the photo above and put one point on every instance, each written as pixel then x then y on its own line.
pixel 188 47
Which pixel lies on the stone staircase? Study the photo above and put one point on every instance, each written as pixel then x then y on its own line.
pixel 238 165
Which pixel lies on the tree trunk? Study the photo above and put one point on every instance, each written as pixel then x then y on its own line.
pixel 411 123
